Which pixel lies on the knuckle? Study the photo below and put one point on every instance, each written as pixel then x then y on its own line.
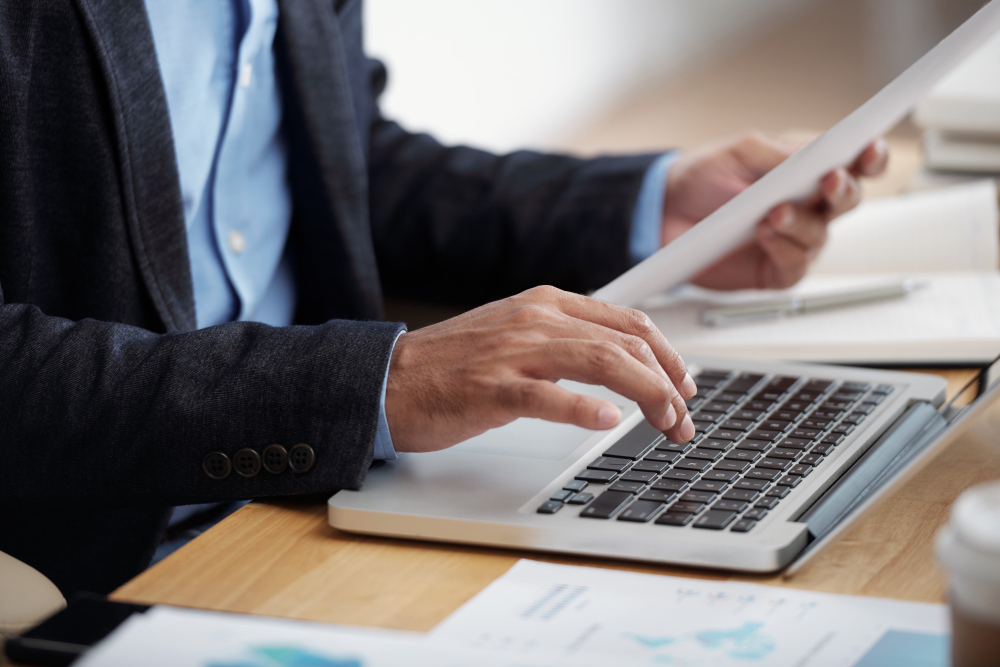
pixel 529 313
pixel 604 355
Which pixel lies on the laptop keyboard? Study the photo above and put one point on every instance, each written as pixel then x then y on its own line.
pixel 756 438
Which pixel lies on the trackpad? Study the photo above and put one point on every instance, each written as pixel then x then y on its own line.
pixel 528 438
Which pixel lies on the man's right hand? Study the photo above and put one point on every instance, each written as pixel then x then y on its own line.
pixel 485 368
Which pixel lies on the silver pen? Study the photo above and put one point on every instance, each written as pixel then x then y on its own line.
pixel 799 305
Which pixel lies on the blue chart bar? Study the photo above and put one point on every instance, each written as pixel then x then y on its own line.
pixel 908 649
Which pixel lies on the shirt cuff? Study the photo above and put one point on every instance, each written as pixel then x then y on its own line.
pixel 647 216
pixel 384 451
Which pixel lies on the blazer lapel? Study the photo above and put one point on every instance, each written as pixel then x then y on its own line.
pixel 123 42
pixel 319 99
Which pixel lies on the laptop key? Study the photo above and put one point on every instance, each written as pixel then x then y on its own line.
pixel 759 404
pixel 695 465
pixel 710 485
pixel 785 453
pixel 687 508
pixel 800 470
pixel 786 415
pixel 634 444
pixel 765 473
pixel 748 415
pixel 640 511
pixel 835 405
pixel 778 492
pixel 729 396
pixel 774 464
pixel 658 456
pixel 550 507
pixel 707 416
pixel 646 465
pixel 824 413
pixel 605 463
pixel 737 425
pixel 667 446
pixel 805 433
pixel 743 455
pixel 685 475
pixel 671 485
pixel 883 389
pixel 790 481
pixel 754 445
pixel 639 476
pixel 767 503
pixel 775 425
pixel 627 487
pixel 575 485
pixel 712 443
pixel 725 434
pixel 752 484
pixel 854 418
pixel 561 495
pixel 747 496
pixel 606 505
pixel 819 386
pixel 811 460
pixel 755 513
pixel 657 496
pixel 795 443
pixel 833 439
pixel 743 526
pixel 717 475
pixel 782 383
pixel 841 395
pixel 694 402
pixel 597 476
pixel 763 434
pixel 704 454
pixel 865 408
pixel 731 505
pixel 715 520
pixel 698 497
pixel 732 466
pixel 580 498
pixel 817 424
pixel 674 519
pixel 856 386
pixel 823 449
pixel 796 406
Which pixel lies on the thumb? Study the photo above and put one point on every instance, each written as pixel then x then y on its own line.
pixel 760 153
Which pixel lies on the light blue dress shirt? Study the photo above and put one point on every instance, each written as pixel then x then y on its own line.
pixel 216 58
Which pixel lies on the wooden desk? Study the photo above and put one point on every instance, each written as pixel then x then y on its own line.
pixel 284 559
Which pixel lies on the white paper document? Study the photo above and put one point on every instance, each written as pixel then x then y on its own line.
pixel 797 177
pixel 642 619
pixel 174 637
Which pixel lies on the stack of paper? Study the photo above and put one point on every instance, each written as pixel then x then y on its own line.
pixel 946 240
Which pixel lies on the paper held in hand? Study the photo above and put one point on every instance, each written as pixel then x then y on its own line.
pixel 797 177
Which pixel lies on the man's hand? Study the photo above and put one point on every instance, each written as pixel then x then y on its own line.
pixel 487 367
pixel 791 235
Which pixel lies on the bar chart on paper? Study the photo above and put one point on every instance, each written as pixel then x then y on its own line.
pixel 657 620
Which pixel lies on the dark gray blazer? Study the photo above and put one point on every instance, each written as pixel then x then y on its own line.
pixel 109 398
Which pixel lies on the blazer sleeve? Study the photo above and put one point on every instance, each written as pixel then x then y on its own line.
pixel 110 414
pixel 461 225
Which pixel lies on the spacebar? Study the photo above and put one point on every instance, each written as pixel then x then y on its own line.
pixel 606 505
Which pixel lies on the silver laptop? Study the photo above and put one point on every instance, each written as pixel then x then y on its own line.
pixel 785 457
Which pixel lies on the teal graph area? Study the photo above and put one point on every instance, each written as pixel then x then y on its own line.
pixel 746 642
pixel 286 656
pixel 908 649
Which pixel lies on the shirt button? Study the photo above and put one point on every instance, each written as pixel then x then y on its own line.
pixel 246 74
pixel 237 242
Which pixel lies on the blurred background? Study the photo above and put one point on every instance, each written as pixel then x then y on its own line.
pixel 591 76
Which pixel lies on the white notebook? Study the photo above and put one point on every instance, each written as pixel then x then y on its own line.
pixel 946 240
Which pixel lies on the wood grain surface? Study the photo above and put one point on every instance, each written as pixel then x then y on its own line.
pixel 284 559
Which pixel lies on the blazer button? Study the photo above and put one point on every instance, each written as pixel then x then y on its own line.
pixel 217 465
pixel 275 459
pixel 301 458
pixel 246 462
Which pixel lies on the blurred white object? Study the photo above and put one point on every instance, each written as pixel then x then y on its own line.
pixel 969 546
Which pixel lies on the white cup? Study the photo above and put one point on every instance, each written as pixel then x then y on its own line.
pixel 969 547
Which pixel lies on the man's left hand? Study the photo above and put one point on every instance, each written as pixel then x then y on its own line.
pixel 789 237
